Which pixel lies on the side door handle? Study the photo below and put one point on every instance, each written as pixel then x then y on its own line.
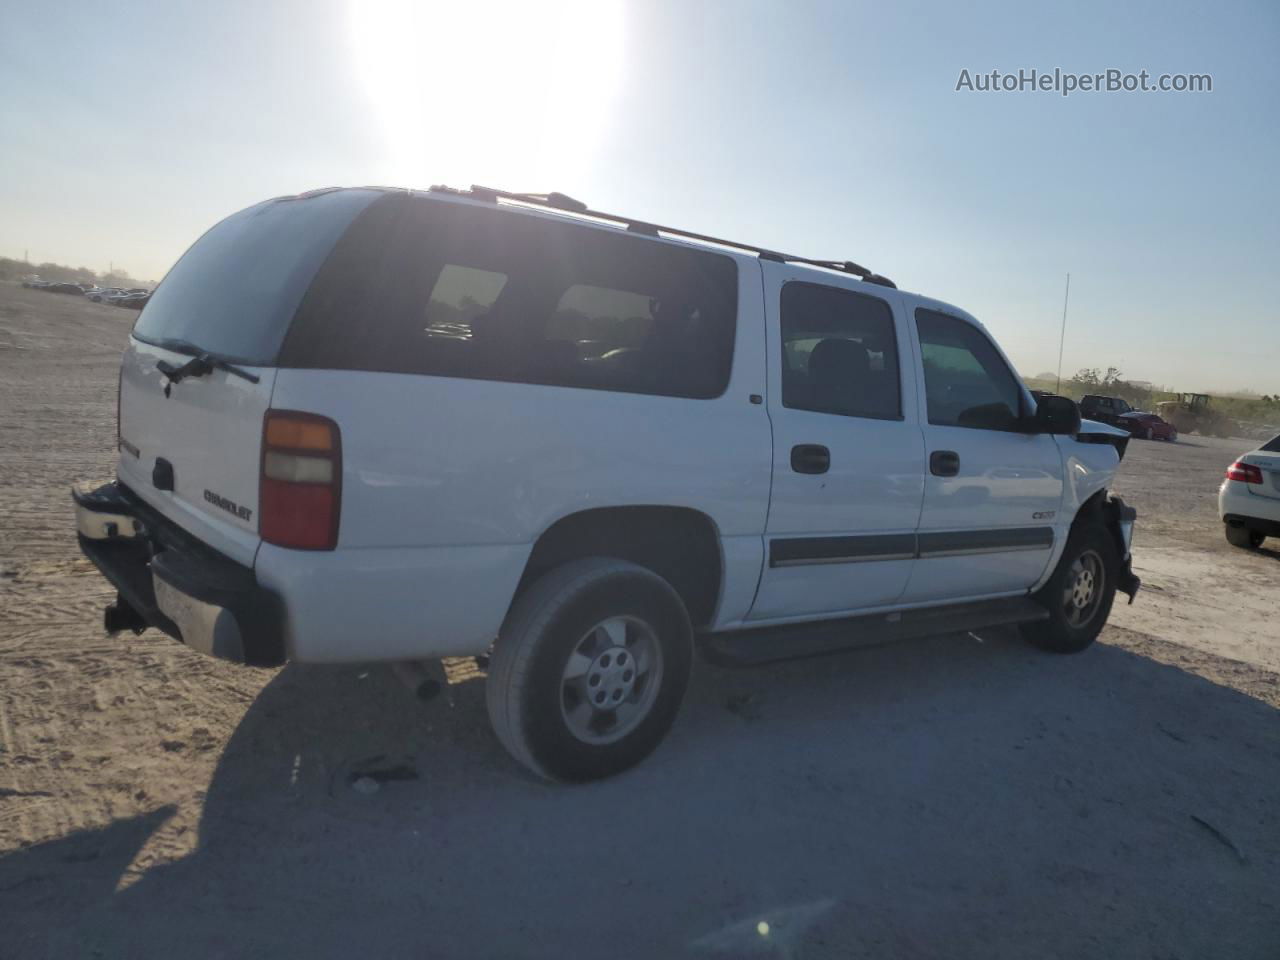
pixel 810 458
pixel 944 463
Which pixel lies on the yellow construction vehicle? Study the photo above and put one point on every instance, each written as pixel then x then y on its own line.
pixel 1193 412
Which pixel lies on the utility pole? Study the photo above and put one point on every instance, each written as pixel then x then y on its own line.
pixel 1063 338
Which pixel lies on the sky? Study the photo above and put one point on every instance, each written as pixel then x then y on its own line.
pixel 830 130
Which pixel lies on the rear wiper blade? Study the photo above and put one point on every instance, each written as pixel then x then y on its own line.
pixel 201 364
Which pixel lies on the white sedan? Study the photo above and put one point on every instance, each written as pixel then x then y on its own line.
pixel 1249 500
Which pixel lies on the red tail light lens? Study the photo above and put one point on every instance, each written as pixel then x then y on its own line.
pixel 1244 472
pixel 300 487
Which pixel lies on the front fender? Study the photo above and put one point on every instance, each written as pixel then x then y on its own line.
pixel 1088 469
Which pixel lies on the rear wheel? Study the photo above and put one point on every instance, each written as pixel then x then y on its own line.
pixel 589 670
pixel 1244 537
pixel 1080 592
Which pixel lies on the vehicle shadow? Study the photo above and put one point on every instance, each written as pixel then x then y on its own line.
pixel 950 797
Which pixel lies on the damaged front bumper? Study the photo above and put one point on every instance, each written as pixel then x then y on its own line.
pixel 1121 519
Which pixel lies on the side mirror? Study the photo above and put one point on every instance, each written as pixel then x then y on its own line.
pixel 1058 415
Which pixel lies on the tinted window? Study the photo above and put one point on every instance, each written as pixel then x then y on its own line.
pixel 235 291
pixel 460 295
pixel 839 353
pixel 967 382
pixel 1272 446
pixel 460 291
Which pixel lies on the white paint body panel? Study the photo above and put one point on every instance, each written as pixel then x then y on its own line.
pixel 1088 469
pixel 1006 480
pixel 1261 501
pixel 391 603
pixel 210 429
pixel 874 485
pixel 1236 498
pixel 448 482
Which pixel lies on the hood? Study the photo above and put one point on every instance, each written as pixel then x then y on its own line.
pixel 1096 429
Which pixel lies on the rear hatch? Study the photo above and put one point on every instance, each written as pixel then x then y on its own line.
pixel 191 445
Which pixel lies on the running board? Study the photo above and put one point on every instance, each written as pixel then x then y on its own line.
pixel 752 646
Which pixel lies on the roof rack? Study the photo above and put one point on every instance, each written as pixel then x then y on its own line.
pixel 559 201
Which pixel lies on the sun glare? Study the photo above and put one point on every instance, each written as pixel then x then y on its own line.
pixel 507 93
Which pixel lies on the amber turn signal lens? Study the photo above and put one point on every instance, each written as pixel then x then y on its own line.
pixel 284 431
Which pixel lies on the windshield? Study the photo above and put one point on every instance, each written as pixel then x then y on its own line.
pixel 235 291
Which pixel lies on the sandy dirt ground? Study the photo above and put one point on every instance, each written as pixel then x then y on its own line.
pixel 956 797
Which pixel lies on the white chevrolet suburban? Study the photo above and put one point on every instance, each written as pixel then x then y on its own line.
pixel 374 424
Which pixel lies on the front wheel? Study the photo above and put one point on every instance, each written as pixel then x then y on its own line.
pixel 588 671
pixel 1080 592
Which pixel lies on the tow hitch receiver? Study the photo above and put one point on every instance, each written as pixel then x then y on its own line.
pixel 121 616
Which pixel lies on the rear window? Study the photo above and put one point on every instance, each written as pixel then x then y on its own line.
pixel 1272 445
pixel 460 291
pixel 235 291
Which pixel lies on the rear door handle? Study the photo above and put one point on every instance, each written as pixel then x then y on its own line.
pixel 810 458
pixel 944 463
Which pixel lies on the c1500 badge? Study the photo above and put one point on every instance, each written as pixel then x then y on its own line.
pixel 233 508
pixel 1046 515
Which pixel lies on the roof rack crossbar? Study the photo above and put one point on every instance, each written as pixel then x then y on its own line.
pixel 559 201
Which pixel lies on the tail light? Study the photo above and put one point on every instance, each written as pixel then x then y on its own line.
pixel 300 490
pixel 1244 472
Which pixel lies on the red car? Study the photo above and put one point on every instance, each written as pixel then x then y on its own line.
pixel 1147 426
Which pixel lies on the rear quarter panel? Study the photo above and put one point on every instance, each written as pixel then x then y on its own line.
pixel 437 468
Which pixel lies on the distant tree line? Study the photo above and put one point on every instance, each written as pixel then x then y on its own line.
pixel 1245 407
pixel 11 269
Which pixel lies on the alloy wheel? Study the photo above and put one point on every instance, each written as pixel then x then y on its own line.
pixel 611 680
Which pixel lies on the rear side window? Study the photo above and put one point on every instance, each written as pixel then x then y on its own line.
pixel 459 296
pixel 839 353
pixel 967 382
pixel 460 291
pixel 236 289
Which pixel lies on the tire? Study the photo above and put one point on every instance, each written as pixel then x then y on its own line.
pixel 1071 627
pixel 608 613
pixel 1243 537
